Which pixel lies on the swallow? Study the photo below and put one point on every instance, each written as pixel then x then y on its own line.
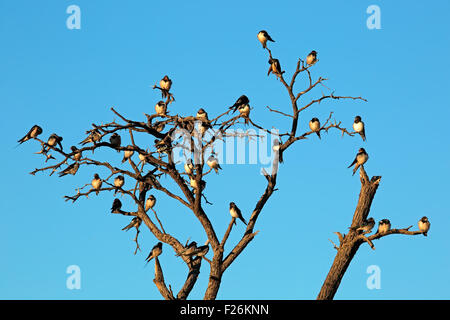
pixel 33 133
pixel 384 226
pixel 77 154
pixel 161 146
pixel 275 68
pixel 94 137
pixel 54 140
pixel 119 181
pixel 72 169
pixel 314 125
pixel 263 37
pixel 213 163
pixel 202 115
pixel 277 148
pixel 188 250
pixel 358 126
pixel 189 167
pixel 367 226
pixel 165 85
pixel 155 252
pixel 150 203
pixel 96 183
pixel 236 213
pixel 244 110
pixel 195 185
pixel 159 126
pixel 115 140
pixel 424 225
pixel 127 154
pixel 135 223
pixel 360 159
pixel 116 206
pixel 142 158
pixel 161 108
pixel 242 100
pixel 311 58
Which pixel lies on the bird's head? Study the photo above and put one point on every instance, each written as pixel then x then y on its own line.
pixel 362 150
pixel 424 219
pixel 357 119
pixel 96 176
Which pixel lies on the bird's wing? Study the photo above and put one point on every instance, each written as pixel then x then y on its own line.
pixel 354 161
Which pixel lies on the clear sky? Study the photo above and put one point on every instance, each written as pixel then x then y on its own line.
pixel 65 80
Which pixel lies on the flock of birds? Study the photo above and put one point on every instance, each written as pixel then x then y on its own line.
pixel 241 105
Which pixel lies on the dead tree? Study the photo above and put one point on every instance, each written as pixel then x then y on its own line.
pixel 157 165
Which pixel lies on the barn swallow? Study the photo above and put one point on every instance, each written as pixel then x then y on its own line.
pixel 202 115
pixel 263 36
pixel 127 154
pixel 275 67
pixel 165 85
pixel 54 140
pixel 244 110
pixel 72 169
pixel 367 225
pixel 424 225
pixel 115 141
pixel 242 100
pixel 311 58
pixel 276 147
pixel 213 163
pixel 135 223
pixel 358 126
pixel 155 252
pixel 188 250
pixel 77 154
pixel 236 213
pixel 94 137
pixel 96 183
pixel 360 159
pixel 189 166
pixel 116 206
pixel 33 133
pixel 150 203
pixel 384 226
pixel 314 125
pixel 119 181
pixel 161 146
pixel 195 186
pixel 161 108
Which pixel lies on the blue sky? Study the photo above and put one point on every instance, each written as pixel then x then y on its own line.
pixel 65 80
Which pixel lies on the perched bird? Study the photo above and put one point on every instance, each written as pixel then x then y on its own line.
pixel 94 137
pixel 119 181
pixel 161 108
pixel 96 183
pixel 162 146
pixel 115 141
pixel 135 223
pixel 367 226
pixel 384 226
pixel 358 126
pixel 311 58
pixel 275 67
pixel 150 203
pixel 360 159
pixel 263 36
pixel 202 115
pixel 155 252
pixel 236 213
pixel 142 158
pixel 189 167
pixel 188 250
pixel 314 125
pixel 33 133
pixel 127 154
pixel 424 225
pixel 244 110
pixel 276 147
pixel 54 140
pixel 213 163
pixel 195 185
pixel 76 153
pixel 116 206
pixel 242 100
pixel 72 169
pixel 165 85
pixel 159 126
